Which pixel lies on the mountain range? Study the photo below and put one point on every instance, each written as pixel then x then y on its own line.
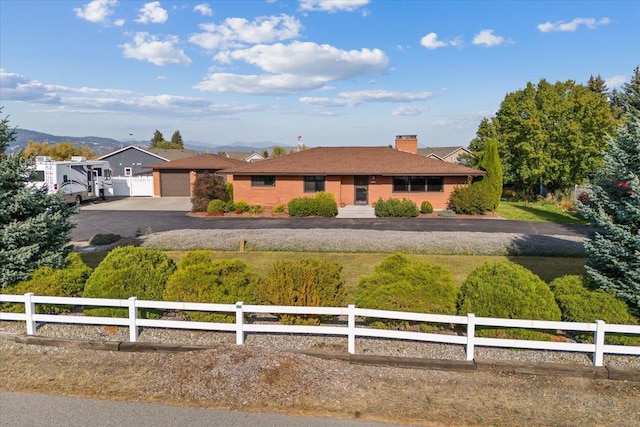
pixel 101 145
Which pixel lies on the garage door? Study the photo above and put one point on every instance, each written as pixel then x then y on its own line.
pixel 175 184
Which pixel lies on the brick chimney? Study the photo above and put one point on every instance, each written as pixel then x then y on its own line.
pixel 408 143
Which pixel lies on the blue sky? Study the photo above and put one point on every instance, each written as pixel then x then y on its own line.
pixel 335 72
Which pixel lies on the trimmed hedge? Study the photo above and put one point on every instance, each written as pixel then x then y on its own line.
pixel 322 204
pixel 129 271
pixel 396 208
pixel 306 282
pixel 199 279
pixel 508 290
pixel 65 282
pixel 580 304
pixel 399 284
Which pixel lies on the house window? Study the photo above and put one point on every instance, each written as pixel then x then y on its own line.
pixel 417 184
pixel 263 181
pixel 127 172
pixel 313 184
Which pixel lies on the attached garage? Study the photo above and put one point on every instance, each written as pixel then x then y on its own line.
pixel 175 178
pixel 175 184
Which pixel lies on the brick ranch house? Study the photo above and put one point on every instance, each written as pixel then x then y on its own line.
pixel 355 175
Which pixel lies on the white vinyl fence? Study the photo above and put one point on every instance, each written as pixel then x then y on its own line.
pixel 350 329
pixel 130 186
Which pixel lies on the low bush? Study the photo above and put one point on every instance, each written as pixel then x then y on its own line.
pixel 278 209
pixel 447 213
pixel 306 282
pixel 473 199
pixel 241 206
pixel 199 279
pixel 399 284
pixel 256 209
pixel 217 206
pixel 322 204
pixel 580 304
pixel 426 207
pixel 64 282
pixel 395 208
pixel 508 290
pixel 104 239
pixel 129 271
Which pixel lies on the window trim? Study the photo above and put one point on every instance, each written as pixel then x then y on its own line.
pixel 128 171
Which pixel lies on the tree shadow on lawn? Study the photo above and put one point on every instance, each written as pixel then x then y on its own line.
pixel 547 256
pixel 551 216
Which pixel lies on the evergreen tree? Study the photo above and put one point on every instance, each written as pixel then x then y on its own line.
pixel 614 207
pixel 158 140
pixel 176 140
pixel 596 84
pixel 628 99
pixel 34 226
pixel 491 164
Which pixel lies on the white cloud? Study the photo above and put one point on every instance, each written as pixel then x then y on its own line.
pixel 146 47
pixel 487 38
pixel 347 99
pixel 332 6
pixel 236 32
pixel 204 9
pixel 408 110
pixel 293 68
pixel 430 41
pixel 615 81
pixel 152 13
pixel 118 22
pixel 96 11
pixel 572 26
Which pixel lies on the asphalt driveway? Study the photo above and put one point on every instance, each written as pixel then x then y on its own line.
pixel 126 216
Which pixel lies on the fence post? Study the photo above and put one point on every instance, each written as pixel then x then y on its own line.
pixel 351 325
pixel 29 310
pixel 239 323
pixel 598 340
pixel 471 335
pixel 133 320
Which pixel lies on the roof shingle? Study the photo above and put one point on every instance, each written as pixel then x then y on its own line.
pixel 201 161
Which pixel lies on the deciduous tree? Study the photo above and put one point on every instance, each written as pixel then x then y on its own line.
pixel 60 151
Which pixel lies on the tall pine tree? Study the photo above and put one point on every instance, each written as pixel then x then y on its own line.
pixel 34 226
pixel 614 206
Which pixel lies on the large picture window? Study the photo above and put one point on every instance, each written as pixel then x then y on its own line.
pixel 263 181
pixel 417 184
pixel 313 184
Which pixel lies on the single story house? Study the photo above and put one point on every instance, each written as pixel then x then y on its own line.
pixel 448 154
pixel 244 156
pixel 132 160
pixel 355 175
pixel 176 178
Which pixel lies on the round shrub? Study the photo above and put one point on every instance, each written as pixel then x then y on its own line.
pixel 104 239
pixel 218 282
pixel 241 206
pixel 326 205
pixel 399 284
pixel 306 282
pixel 64 282
pixel 426 207
pixel 395 208
pixel 129 271
pixel 278 209
pixel 508 290
pixel 216 206
pixel 579 304
pixel 474 199
pixel 322 204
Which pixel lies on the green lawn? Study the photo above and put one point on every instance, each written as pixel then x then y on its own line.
pixel 537 211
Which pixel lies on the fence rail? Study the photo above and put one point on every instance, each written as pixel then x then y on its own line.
pixel 354 326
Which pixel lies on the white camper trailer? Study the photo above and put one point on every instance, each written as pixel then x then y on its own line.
pixel 77 179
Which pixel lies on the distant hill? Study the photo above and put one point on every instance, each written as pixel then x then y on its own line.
pixel 104 145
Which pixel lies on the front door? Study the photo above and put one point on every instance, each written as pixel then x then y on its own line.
pixel 361 184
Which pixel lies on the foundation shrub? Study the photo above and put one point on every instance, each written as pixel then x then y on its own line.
pixel 256 209
pixel 278 208
pixel 306 282
pixel 129 271
pixel 241 206
pixel 508 290
pixel 217 206
pixel 201 279
pixel 206 188
pixel 578 303
pixel 474 199
pixel 395 208
pixel 400 284
pixel 321 204
pixel 426 207
pixel 63 282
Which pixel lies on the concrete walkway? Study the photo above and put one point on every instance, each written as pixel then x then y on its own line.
pixel 353 211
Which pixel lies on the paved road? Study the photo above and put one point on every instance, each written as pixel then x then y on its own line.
pixel 115 217
pixel 27 410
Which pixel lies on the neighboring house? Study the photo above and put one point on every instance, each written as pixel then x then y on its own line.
pixel 244 156
pixel 447 154
pixel 132 160
pixel 355 175
pixel 176 178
